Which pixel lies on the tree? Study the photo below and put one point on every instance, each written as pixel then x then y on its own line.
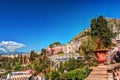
pixel 54 75
pixel 25 59
pixel 61 52
pixel 64 76
pixel 69 65
pixel 17 66
pixel 32 55
pixel 73 66
pixel 43 51
pixel 86 49
pixel 37 65
pixel 61 69
pixel 21 58
pixel 54 44
pixel 78 74
pixel 40 65
pixel 99 29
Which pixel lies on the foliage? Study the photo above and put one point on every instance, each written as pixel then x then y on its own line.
pixel 35 74
pixel 61 52
pixel 43 51
pixel 64 76
pixel 54 75
pixel 24 58
pixel 17 66
pixel 32 55
pixel 21 58
pixel 70 65
pixel 88 46
pixel 48 70
pixel 11 63
pixel 86 49
pixel 76 74
pixel 54 44
pixel 73 66
pixel 99 28
pixel 39 65
pixel 61 69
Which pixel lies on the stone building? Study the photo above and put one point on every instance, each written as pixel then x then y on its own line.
pixel 71 47
pixel 54 50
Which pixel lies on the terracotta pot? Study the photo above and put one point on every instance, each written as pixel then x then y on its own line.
pixel 101 56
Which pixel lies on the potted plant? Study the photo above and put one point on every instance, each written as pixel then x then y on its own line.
pixel 102 36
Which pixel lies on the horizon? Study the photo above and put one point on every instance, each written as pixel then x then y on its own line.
pixel 32 24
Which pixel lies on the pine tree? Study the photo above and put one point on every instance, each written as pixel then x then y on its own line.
pixel 21 58
pixel 99 29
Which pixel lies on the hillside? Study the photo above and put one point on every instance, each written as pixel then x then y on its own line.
pixel 113 24
pixel 81 35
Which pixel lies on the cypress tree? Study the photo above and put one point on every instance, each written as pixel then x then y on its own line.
pixel 32 55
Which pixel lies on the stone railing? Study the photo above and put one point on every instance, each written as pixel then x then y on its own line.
pixel 113 71
pixel 106 72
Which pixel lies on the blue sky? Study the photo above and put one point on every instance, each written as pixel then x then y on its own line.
pixel 37 23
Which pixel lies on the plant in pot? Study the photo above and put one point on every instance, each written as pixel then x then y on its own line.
pixel 102 36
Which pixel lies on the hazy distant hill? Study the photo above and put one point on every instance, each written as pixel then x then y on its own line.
pixel 1 53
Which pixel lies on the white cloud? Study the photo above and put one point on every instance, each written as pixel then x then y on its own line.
pixel 3 50
pixel 10 46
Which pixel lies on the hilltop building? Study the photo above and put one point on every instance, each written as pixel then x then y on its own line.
pixel 54 50
pixel 71 47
